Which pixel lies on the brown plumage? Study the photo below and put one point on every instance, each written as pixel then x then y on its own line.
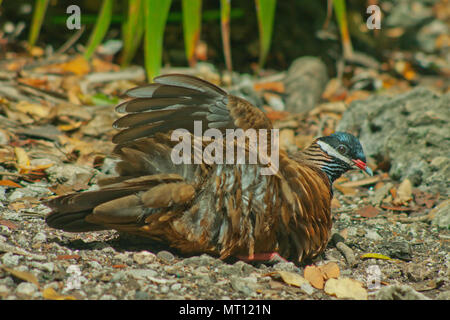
pixel 221 209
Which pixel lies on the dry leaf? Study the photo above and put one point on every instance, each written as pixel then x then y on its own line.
pixel 345 190
pixel 78 66
pixel 346 288
pixel 404 193
pixel 10 184
pixel 22 158
pixel 360 183
pixel 37 111
pixel 292 278
pixel 8 224
pixel 368 212
pixel 276 86
pixel 23 275
pixel 330 270
pixel 314 276
pixel 50 294
pixel 335 204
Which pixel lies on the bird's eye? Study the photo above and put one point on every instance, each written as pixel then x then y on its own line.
pixel 342 149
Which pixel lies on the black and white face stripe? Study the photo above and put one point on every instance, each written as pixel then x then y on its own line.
pixel 333 153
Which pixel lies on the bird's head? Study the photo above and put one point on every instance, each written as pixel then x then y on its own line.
pixel 343 152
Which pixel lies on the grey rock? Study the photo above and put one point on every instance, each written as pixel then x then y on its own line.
pixel 286 266
pixel 40 237
pixel 380 194
pixel 401 132
pixel 399 292
pixel 26 289
pixel 166 256
pixel 69 174
pixel 10 260
pixel 142 274
pixel 373 235
pixel 107 297
pixel 141 295
pixel 175 287
pixel 305 81
pixel 144 257
pixel 443 295
pixel 427 35
pixel 442 215
pixel 399 250
pixel 242 286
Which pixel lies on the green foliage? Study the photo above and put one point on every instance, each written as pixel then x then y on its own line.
pixel 148 18
pixel 132 30
pixel 265 11
pixel 341 16
pixel 192 16
pixel 100 29
pixel 156 12
pixel 36 22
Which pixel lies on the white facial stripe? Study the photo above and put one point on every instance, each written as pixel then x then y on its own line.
pixel 332 152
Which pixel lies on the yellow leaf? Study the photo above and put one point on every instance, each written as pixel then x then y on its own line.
pixel 50 294
pixel 22 158
pixel 37 111
pixel 330 270
pixel 314 275
pixel 292 278
pixel 375 256
pixel 346 288
pixel 23 275
pixel 78 66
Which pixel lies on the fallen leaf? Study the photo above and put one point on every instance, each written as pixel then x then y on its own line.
pixel 330 270
pixel 346 288
pixel 360 183
pixel 314 275
pixel 393 208
pixel 292 278
pixel 22 275
pixel 335 204
pixel 368 212
pixel 23 161
pixel 8 224
pixel 375 256
pixel 9 183
pixel 276 86
pixel 345 190
pixel 50 294
pixel 119 266
pixel 404 193
pixel 37 111
pixel 68 256
pixel 78 66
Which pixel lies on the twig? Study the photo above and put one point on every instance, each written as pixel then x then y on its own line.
pixel 346 251
pixel 71 41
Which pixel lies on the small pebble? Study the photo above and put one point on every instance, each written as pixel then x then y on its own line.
pixel 40 237
pixel 141 295
pixel 164 289
pixel 10 259
pixel 107 297
pixel 165 256
pixel 26 289
pixel 144 257
pixel 175 287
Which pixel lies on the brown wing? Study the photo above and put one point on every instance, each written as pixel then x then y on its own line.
pixel 175 101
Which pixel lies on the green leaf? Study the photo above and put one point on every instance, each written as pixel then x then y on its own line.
pixel 101 99
pixel 100 28
pixel 132 30
pixel 225 27
pixel 36 22
pixel 156 12
pixel 265 10
pixel 192 18
pixel 341 16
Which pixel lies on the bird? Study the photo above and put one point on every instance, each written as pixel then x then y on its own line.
pixel 221 209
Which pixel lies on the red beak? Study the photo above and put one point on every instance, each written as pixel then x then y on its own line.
pixel 363 166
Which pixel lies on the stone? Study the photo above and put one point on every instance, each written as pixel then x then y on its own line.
pixel 166 256
pixel 403 137
pixel 26 289
pixel 373 235
pixel 399 292
pixel 440 216
pixel 305 81
pixel 142 274
pixel 10 260
pixel 144 257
